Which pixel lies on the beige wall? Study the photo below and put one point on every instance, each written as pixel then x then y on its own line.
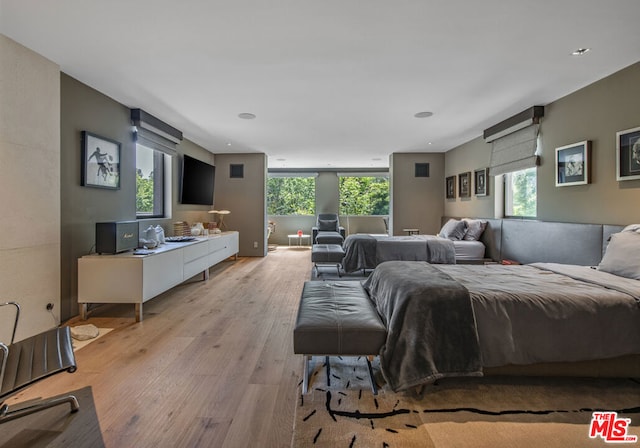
pixel 327 192
pixel 471 156
pixel 594 113
pixel 83 108
pixel 245 198
pixel 416 202
pixel 29 186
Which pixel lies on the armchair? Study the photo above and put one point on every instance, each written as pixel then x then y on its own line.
pixel 30 360
pixel 328 230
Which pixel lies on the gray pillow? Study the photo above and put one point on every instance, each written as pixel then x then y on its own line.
pixel 622 256
pixel 453 229
pixel 327 225
pixel 475 227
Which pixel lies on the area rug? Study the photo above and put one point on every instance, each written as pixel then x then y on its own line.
pixel 56 427
pixel 466 412
pixel 77 345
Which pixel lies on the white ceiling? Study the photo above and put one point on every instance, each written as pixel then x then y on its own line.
pixel 333 83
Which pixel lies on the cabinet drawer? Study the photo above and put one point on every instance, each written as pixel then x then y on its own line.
pixel 195 267
pixel 161 272
pixel 195 251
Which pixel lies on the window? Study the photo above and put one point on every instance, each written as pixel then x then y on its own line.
pixel 291 195
pixel 361 195
pixel 520 193
pixel 150 187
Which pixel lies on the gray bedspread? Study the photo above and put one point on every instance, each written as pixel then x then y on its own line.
pixel 364 251
pixel 431 331
pixel 550 312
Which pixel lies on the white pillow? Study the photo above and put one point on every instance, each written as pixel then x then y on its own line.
pixel 453 229
pixel 475 227
pixel 622 256
pixel 632 228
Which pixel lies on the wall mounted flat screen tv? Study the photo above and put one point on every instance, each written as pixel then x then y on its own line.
pixel 196 181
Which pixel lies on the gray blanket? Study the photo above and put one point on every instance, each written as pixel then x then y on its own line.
pixel 548 313
pixel 359 252
pixel 430 324
pixel 363 251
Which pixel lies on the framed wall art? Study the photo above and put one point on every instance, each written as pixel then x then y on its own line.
pixel 464 184
pixel 573 164
pixel 481 182
pixel 628 154
pixel 450 186
pixel 100 162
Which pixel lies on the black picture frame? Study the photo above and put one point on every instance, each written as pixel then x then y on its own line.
pixel 450 187
pixel 573 164
pixel 100 162
pixel 628 154
pixel 480 182
pixel 464 184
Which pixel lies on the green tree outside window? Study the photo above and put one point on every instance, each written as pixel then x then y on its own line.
pixel 364 195
pixel 291 196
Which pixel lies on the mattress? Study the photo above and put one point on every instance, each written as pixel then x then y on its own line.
pixel 469 250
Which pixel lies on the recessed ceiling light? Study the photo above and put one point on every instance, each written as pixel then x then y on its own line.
pixel 246 116
pixel 580 51
pixel 423 114
pixel 228 143
pixel 429 143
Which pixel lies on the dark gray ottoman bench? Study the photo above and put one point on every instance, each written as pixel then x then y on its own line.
pixel 327 254
pixel 337 318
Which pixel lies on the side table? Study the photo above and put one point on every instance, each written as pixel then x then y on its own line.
pixel 299 238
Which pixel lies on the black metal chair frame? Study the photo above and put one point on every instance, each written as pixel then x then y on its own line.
pixel 34 359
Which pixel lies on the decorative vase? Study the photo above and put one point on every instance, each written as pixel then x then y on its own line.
pixel 197 229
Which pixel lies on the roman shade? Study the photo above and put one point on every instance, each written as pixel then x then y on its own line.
pixel 515 151
pixel 154 133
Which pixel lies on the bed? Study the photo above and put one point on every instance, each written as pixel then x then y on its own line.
pixel 458 240
pixel 456 320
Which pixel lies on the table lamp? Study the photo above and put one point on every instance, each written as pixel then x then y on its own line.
pixel 221 213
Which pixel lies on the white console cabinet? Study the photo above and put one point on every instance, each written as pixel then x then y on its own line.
pixel 129 278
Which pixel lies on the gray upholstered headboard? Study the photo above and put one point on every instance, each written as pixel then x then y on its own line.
pixel 528 241
pixel 553 242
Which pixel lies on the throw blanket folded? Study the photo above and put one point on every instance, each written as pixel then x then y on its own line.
pixel 363 251
pixel 431 330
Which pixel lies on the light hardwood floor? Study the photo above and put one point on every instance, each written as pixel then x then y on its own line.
pixel 211 364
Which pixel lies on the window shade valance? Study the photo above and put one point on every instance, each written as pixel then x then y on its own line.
pixel 515 151
pixel 155 141
pixel 154 133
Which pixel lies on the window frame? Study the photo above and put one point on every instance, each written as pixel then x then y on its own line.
pixel 508 195
pixel 161 172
